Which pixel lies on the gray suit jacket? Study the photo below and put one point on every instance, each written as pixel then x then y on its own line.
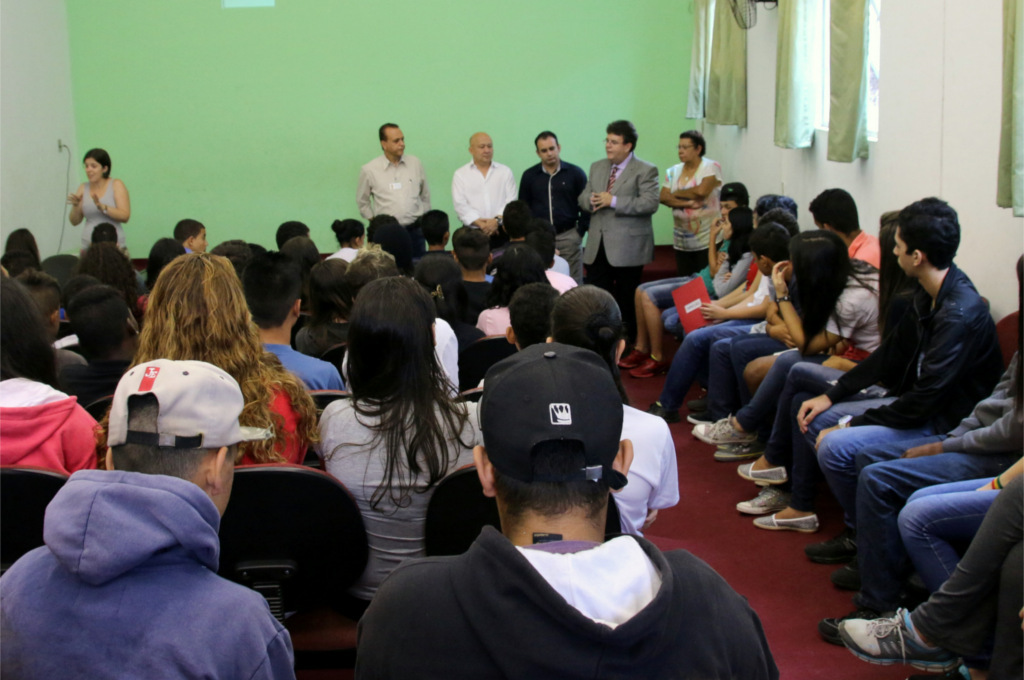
pixel 626 229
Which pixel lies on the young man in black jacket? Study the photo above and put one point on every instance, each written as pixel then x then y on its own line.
pixel 549 597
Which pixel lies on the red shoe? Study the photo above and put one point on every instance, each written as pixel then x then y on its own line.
pixel 634 359
pixel 651 368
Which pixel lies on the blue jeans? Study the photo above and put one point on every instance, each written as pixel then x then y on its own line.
pixel 691 361
pixel 884 484
pixel 723 380
pixel 757 413
pixel 746 349
pixel 939 522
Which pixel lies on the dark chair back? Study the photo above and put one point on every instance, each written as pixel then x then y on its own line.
pixel 294 534
pixel 299 323
pixel 479 356
pixel 99 408
pixel 60 267
pixel 334 355
pixel 24 494
pixel 322 398
pixel 458 510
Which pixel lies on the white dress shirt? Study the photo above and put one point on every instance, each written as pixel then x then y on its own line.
pixel 478 197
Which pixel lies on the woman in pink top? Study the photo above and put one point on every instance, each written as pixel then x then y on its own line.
pixel 42 426
pixel 519 265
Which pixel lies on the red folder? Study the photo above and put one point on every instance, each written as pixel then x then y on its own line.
pixel 688 298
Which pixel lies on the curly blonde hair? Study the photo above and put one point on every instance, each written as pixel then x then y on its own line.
pixel 197 311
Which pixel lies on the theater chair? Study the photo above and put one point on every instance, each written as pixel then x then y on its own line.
pixel 479 356
pixel 458 510
pixel 295 535
pixel 24 494
pixel 60 267
pixel 98 409
pixel 321 398
pixel 335 355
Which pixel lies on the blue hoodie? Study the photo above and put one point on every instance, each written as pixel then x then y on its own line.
pixel 126 586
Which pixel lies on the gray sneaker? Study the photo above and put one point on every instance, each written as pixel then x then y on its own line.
pixel 774 475
pixel 722 432
pixel 769 500
pixel 730 453
pixel 893 640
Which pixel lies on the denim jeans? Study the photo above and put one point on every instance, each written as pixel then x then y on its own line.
pixel 884 485
pixel 723 380
pixel 691 361
pixel 938 523
pixel 746 349
pixel 757 413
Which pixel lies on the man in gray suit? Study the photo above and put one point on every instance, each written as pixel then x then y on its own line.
pixel 622 194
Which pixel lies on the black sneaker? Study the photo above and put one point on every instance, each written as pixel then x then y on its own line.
pixel 668 416
pixel 842 548
pixel 846 577
pixel 828 629
pixel 698 405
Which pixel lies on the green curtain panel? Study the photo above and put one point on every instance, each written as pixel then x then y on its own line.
pixel 727 86
pixel 1010 191
pixel 700 58
pixel 794 90
pixel 848 71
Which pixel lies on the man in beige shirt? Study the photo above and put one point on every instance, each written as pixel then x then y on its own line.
pixel 395 184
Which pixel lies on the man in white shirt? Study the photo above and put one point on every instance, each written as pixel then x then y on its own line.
pixel 395 184
pixel 482 188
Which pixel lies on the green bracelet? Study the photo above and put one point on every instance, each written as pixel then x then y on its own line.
pixel 998 483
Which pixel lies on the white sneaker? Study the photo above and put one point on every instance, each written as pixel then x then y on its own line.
pixel 721 433
pixel 770 499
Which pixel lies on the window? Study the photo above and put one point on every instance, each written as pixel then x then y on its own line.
pixel 874 53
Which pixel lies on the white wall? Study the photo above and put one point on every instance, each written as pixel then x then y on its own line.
pixel 940 93
pixel 36 111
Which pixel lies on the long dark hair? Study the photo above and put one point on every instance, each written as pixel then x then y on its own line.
pixel 442 278
pixel 588 317
pixel 742 221
pixel 892 280
pixel 22 239
pixel 823 268
pixel 395 379
pixel 519 265
pixel 329 297
pixel 25 349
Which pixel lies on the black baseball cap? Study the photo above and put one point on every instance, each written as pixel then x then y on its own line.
pixel 551 392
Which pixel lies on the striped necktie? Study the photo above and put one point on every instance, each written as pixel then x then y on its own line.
pixel 611 178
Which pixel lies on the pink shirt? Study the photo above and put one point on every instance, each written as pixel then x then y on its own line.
pixel 560 282
pixel 867 248
pixel 494 321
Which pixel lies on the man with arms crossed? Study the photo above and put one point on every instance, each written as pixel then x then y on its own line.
pixel 127 582
pixel 621 193
pixel 482 188
pixel 548 597
pixel 395 184
pixel 551 189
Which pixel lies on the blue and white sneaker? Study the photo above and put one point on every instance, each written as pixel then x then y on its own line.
pixel 892 640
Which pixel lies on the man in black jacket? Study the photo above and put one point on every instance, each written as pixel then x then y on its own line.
pixel 549 597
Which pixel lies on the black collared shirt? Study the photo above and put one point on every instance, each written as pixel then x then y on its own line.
pixel 554 197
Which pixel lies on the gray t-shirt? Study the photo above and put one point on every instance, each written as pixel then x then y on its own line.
pixel 351 454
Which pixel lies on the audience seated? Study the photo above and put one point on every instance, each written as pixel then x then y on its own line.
pixel 23 240
pixel 548 597
pixel 401 431
pixel 191 234
pixel 41 426
pixel 472 250
pixel 350 234
pixel 519 265
pixel 272 285
pixel 529 314
pixel 197 311
pixel 442 279
pixel 45 292
pixel 588 317
pixel 162 252
pixel 770 244
pixel 394 239
pixel 329 306
pixel 15 262
pixel 981 596
pixel 237 251
pixel 131 552
pixel 107 336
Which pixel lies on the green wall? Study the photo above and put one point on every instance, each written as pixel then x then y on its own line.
pixel 245 118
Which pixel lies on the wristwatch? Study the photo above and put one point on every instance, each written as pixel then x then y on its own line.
pixel 784 298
